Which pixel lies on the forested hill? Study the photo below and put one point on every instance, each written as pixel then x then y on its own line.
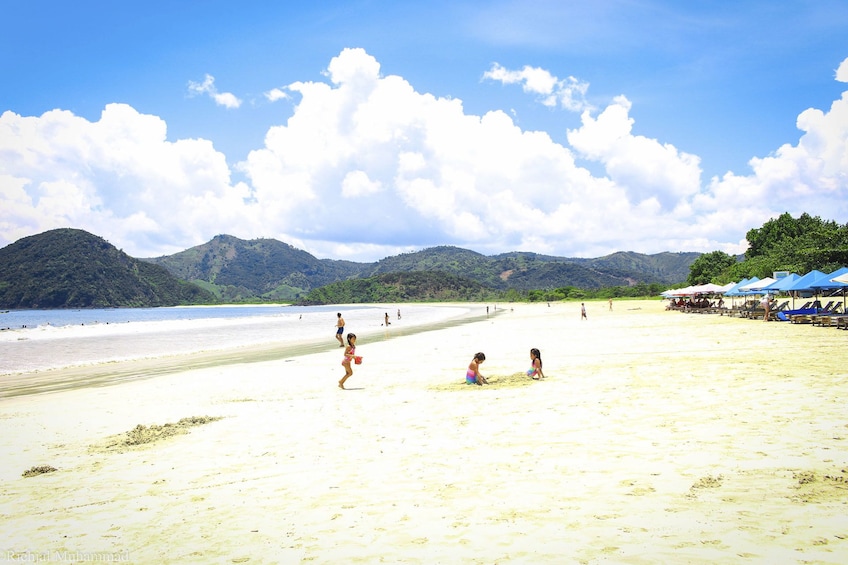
pixel 527 271
pixel 74 269
pixel 267 269
pixel 236 269
pixel 417 286
pixel 70 268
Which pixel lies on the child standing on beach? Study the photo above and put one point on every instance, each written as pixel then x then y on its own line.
pixel 349 354
pixel 340 329
pixel 472 375
pixel 535 371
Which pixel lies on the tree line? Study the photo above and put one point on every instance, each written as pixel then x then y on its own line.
pixel 797 245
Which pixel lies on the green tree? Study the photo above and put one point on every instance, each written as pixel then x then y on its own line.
pixel 782 244
pixel 709 267
pixel 783 230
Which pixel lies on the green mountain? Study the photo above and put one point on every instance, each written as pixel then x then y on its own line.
pixel 267 269
pixel 70 268
pixel 235 269
pixel 446 259
pixel 663 267
pixel 528 271
pixel 399 287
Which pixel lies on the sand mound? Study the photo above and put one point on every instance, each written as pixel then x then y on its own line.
pixel 39 470
pixel 141 435
pixel 496 381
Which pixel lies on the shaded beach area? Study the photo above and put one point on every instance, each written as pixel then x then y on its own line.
pixel 656 437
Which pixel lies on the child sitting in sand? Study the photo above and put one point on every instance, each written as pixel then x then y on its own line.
pixel 472 375
pixel 535 371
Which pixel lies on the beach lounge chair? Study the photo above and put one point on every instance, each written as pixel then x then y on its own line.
pixel 807 318
pixel 802 318
pixel 774 312
pixel 747 309
pixel 831 320
pixel 825 318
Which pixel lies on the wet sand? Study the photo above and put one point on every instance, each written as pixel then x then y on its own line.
pixel 657 437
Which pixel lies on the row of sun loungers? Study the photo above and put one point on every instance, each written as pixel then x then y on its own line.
pixel 831 315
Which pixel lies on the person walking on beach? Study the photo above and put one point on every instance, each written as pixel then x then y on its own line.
pixel 398 313
pixel 473 375
pixel 583 311
pixel 610 304
pixel 766 304
pixel 535 371
pixel 340 323
pixel 388 323
pixel 349 354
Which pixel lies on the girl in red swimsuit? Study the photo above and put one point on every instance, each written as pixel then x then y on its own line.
pixel 349 354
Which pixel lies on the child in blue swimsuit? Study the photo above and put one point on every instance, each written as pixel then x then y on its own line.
pixel 535 371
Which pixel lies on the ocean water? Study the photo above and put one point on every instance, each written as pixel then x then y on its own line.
pixel 32 340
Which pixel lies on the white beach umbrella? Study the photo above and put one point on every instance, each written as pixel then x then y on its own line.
pixel 711 288
pixel 757 285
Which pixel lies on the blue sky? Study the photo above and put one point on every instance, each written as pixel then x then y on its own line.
pixel 357 130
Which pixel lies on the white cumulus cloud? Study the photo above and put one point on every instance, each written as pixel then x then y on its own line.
pixel 117 177
pixel 366 166
pixel 646 168
pixel 569 93
pixel 842 71
pixel 276 94
pixel 226 99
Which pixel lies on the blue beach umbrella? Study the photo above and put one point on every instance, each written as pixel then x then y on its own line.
pixel 804 283
pixel 734 290
pixel 827 283
pixel 780 284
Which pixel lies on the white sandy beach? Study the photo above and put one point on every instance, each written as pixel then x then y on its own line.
pixel 658 437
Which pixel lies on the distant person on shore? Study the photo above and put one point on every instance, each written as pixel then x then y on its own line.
pixel 349 354
pixel 398 313
pixel 535 371
pixel 388 323
pixel 583 311
pixel 473 375
pixel 610 303
pixel 340 324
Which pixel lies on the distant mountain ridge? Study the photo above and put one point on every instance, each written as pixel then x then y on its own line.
pixel 237 269
pixel 70 268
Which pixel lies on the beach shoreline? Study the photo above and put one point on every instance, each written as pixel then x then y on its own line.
pixel 657 437
pixel 15 383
